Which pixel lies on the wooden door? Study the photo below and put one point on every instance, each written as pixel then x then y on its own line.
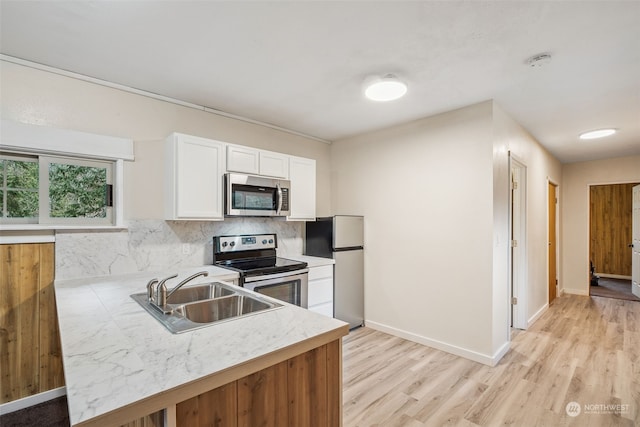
pixel 553 274
pixel 610 211
pixel 635 275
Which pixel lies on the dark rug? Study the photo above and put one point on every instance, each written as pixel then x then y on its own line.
pixel 613 288
pixel 53 413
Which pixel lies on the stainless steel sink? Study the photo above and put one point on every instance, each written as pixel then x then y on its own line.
pixel 199 293
pixel 215 310
pixel 204 305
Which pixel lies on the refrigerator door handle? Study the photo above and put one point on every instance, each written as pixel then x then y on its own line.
pixel 350 248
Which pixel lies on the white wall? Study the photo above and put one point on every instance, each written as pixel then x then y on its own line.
pixel 436 265
pixel 43 98
pixel 541 167
pixel 425 189
pixel 575 213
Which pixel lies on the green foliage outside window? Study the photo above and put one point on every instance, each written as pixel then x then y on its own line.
pixel 77 191
pixel 20 182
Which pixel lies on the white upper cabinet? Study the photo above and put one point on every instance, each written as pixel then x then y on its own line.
pixel 257 162
pixel 302 174
pixel 194 168
pixel 194 174
pixel 243 159
pixel 274 164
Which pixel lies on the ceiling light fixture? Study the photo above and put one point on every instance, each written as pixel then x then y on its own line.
pixel 387 88
pixel 539 60
pixel 599 133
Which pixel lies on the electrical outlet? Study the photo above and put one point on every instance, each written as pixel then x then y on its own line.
pixel 186 249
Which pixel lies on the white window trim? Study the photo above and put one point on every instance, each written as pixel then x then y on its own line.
pixel 21 138
pixel 25 138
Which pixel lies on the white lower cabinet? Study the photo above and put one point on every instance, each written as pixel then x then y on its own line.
pixel 321 290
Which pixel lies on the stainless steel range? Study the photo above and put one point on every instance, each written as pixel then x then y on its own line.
pixel 254 257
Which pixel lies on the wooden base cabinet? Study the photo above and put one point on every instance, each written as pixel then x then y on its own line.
pixel 305 390
pixel 30 354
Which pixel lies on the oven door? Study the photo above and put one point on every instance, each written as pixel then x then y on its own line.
pixel 291 287
pixel 247 195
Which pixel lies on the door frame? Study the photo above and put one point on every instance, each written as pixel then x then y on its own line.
pixel 518 268
pixel 588 234
pixel 635 242
pixel 557 245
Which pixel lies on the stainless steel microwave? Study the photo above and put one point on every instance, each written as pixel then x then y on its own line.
pixel 250 195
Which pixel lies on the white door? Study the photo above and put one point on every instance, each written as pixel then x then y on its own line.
pixel 517 236
pixel 635 233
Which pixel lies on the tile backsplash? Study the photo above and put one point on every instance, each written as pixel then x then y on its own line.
pixel 155 245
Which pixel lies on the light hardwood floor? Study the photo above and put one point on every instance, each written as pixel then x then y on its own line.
pixel 583 349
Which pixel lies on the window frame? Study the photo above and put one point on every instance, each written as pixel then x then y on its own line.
pixel 45 202
pixel 16 220
pixel 23 139
pixel 44 218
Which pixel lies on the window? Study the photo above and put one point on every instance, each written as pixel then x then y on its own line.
pixel 19 190
pixel 55 190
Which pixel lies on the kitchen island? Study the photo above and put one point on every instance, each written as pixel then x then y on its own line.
pixel 277 367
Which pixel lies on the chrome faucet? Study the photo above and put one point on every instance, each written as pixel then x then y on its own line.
pixel 163 295
pixel 151 290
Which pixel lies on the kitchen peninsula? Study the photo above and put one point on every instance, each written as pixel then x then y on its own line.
pixel 279 367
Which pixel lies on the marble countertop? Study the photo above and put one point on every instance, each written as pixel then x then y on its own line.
pixel 116 354
pixel 312 261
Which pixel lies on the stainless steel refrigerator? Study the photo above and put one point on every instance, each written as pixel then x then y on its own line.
pixel 341 237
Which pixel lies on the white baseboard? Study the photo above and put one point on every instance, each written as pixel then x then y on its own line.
pixel 500 353
pixel 491 360
pixel 539 313
pixel 572 291
pixel 28 401
pixel 613 276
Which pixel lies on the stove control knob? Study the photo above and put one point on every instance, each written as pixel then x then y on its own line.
pixel 224 244
pixel 232 244
pixel 270 240
pixel 264 242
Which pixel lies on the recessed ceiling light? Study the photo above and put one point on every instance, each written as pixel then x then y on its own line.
pixel 386 88
pixel 600 133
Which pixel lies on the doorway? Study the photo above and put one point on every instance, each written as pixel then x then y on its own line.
pixel 517 236
pixel 610 240
pixel 553 241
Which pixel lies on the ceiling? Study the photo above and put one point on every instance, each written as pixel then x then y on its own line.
pixel 300 65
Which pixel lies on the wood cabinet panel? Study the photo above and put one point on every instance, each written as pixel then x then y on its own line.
pixel 334 383
pixel 153 420
pixel 307 388
pixel 51 372
pixel 262 398
pixel 30 355
pixel 610 212
pixel 215 408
